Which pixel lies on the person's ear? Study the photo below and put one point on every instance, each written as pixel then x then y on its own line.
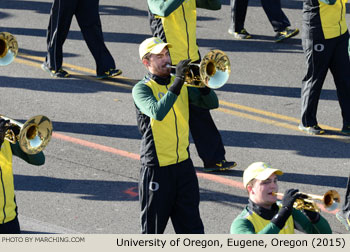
pixel 145 62
pixel 249 188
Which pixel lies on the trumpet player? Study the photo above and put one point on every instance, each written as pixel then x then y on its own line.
pixel 8 208
pixel 264 215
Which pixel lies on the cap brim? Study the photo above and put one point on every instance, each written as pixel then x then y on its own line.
pixel 158 48
pixel 267 173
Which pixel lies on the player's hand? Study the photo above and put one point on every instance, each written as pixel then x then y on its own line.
pixel 182 68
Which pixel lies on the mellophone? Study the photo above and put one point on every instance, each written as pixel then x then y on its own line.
pixel 214 71
pixel 32 136
pixel 8 48
pixel 35 133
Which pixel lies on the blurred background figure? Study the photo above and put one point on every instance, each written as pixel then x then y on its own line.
pixel 274 13
pixel 174 21
pixel 88 17
pixel 325 42
pixel 344 214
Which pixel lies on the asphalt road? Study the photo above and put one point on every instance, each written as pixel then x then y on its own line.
pixel 89 182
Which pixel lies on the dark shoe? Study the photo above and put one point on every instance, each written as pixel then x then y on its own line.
pixel 346 130
pixel 313 130
pixel 344 219
pixel 110 73
pixel 243 34
pixel 286 33
pixel 221 166
pixel 57 74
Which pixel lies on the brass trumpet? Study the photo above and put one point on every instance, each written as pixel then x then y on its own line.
pixel 214 71
pixel 8 48
pixel 330 200
pixel 32 136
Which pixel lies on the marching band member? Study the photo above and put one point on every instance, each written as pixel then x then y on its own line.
pixel 263 215
pixel 325 40
pixel 88 17
pixel 8 207
pixel 174 21
pixel 168 181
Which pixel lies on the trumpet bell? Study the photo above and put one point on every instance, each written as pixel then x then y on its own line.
pixel 215 69
pixel 331 200
pixel 8 48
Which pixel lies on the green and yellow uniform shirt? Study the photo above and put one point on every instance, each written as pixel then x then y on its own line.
pixel 256 220
pixel 324 18
pixel 8 207
pixel 174 21
pixel 162 118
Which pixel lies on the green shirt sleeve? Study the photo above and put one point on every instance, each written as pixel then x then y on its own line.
pixel 209 4
pixel 36 159
pixel 209 101
pixel 303 224
pixel 163 8
pixel 148 104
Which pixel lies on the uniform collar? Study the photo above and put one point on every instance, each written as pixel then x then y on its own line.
pixel 159 80
pixel 267 214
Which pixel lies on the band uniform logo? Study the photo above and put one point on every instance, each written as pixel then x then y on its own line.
pixel 160 95
pixel 319 47
pixel 153 186
pixel 157 41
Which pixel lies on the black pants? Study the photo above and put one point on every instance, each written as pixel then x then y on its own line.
pixel 170 192
pixel 321 55
pixel 87 15
pixel 206 136
pixel 272 8
pixel 11 227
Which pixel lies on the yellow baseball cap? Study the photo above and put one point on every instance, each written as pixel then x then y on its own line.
pixel 258 170
pixel 152 45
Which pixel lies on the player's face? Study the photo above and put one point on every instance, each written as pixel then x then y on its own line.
pixel 157 63
pixel 261 191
